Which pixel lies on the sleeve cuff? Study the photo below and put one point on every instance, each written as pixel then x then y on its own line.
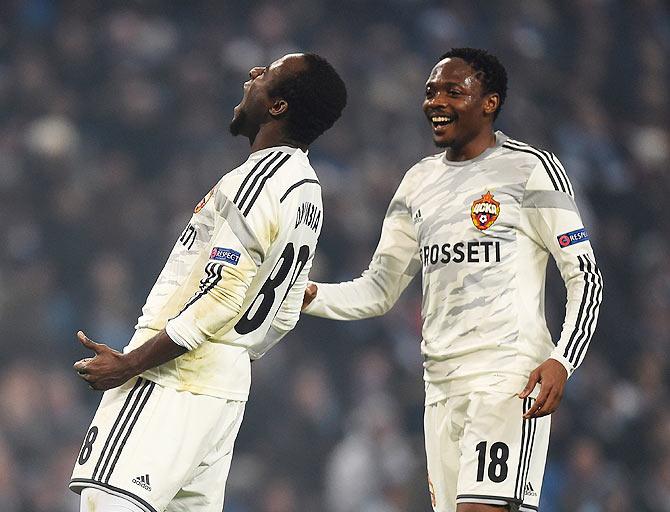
pixel 566 364
pixel 313 307
pixel 272 337
pixel 309 309
pixel 179 335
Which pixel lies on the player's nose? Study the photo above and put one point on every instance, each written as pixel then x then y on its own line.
pixel 436 100
pixel 255 72
pixel 430 104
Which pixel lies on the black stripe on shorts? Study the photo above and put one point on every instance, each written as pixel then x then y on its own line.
pixel 115 426
pixel 129 417
pixel 150 389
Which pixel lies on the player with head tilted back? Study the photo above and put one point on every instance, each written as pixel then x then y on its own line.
pixel 479 221
pixel 231 288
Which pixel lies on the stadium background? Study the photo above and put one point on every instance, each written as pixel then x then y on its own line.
pixel 113 125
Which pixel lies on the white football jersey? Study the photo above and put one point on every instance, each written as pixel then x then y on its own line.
pixel 480 232
pixel 234 281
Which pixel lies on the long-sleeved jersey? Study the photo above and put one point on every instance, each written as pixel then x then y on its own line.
pixel 233 283
pixel 480 232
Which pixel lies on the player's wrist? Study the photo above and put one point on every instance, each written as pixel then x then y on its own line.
pixel 564 362
pixel 130 365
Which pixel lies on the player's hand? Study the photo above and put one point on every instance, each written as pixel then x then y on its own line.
pixel 106 370
pixel 310 295
pixel 551 375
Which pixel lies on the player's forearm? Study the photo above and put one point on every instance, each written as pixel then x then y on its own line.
pixel 158 350
pixel 372 294
pixel 210 313
pixel 584 295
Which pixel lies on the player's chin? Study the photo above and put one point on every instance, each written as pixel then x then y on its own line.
pixel 444 136
pixel 236 122
pixel 442 142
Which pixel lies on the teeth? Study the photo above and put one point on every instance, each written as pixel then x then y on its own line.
pixel 440 119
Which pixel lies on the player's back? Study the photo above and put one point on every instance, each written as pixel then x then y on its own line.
pixel 297 195
pixel 248 247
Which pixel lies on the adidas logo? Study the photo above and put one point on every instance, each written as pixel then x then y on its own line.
pixel 417 216
pixel 528 490
pixel 143 481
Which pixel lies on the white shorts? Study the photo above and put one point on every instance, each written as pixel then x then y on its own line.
pixel 481 450
pixel 160 448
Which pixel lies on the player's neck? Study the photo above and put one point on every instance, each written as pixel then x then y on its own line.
pixel 472 148
pixel 272 135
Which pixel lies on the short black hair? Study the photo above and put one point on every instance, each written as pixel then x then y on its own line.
pixel 316 96
pixel 490 72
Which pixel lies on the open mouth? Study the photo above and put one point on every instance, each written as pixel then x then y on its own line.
pixel 441 121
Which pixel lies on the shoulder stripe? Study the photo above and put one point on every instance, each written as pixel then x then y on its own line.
pixel 251 173
pixel 129 397
pixel 507 145
pixel 149 388
pixel 561 170
pixel 296 185
pixel 553 162
pixel 266 168
pixel 558 178
pixel 262 183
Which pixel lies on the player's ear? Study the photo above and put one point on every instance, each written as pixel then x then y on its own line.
pixel 278 107
pixel 491 103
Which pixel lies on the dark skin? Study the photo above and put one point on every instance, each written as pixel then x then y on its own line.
pixel 262 119
pixel 454 92
pixel 461 116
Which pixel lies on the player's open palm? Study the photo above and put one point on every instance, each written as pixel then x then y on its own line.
pixel 551 375
pixel 105 370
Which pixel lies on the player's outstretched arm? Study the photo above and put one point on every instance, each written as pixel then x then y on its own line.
pixel 393 266
pixel 109 368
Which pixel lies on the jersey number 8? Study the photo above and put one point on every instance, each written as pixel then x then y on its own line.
pixel 262 304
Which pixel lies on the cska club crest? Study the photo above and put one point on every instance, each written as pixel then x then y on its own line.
pixel 484 211
pixel 203 201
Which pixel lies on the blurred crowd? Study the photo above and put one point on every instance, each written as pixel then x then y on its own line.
pixel 114 123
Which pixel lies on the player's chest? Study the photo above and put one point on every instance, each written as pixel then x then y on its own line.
pixel 466 208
